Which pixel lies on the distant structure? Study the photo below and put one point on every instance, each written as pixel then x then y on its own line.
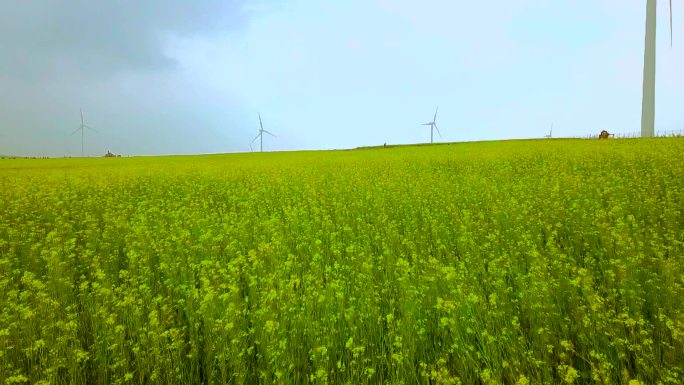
pixel 261 135
pixel 605 134
pixel 110 155
pixel 82 128
pixel 433 125
pixel 550 135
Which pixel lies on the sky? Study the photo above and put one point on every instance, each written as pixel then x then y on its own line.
pixel 187 77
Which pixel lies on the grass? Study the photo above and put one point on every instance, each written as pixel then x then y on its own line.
pixel 521 262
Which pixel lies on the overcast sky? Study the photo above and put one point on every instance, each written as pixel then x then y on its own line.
pixel 181 77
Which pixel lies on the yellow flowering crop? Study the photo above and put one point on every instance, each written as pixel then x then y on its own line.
pixel 519 262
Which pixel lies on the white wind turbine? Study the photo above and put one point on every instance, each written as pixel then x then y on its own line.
pixel 550 132
pixel 433 125
pixel 82 128
pixel 261 135
pixel 648 92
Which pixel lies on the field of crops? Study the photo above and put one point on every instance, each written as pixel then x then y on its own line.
pixel 520 262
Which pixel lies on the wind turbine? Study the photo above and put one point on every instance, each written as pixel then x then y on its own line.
pixel 648 92
pixel 261 135
pixel 550 132
pixel 82 128
pixel 433 125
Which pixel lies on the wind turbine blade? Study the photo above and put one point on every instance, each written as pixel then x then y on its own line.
pixel 257 137
pixel 269 133
pixel 260 124
pixel 434 118
pixel 81 116
pixel 440 134
pixel 426 124
pixel 76 130
pixel 670 23
pixel 87 126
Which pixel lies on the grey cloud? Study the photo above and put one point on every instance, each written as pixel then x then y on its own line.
pixel 43 39
pixel 109 58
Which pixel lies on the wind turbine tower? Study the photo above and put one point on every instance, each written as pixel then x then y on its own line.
pixel 260 136
pixel 82 128
pixel 550 135
pixel 433 125
pixel 648 94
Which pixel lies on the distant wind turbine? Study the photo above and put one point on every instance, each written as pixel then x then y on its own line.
pixel 433 125
pixel 261 135
pixel 82 128
pixel 550 132
pixel 648 92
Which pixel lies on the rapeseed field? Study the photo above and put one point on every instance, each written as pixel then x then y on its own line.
pixel 518 262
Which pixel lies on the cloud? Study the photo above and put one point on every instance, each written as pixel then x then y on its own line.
pixel 111 58
pixel 95 38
